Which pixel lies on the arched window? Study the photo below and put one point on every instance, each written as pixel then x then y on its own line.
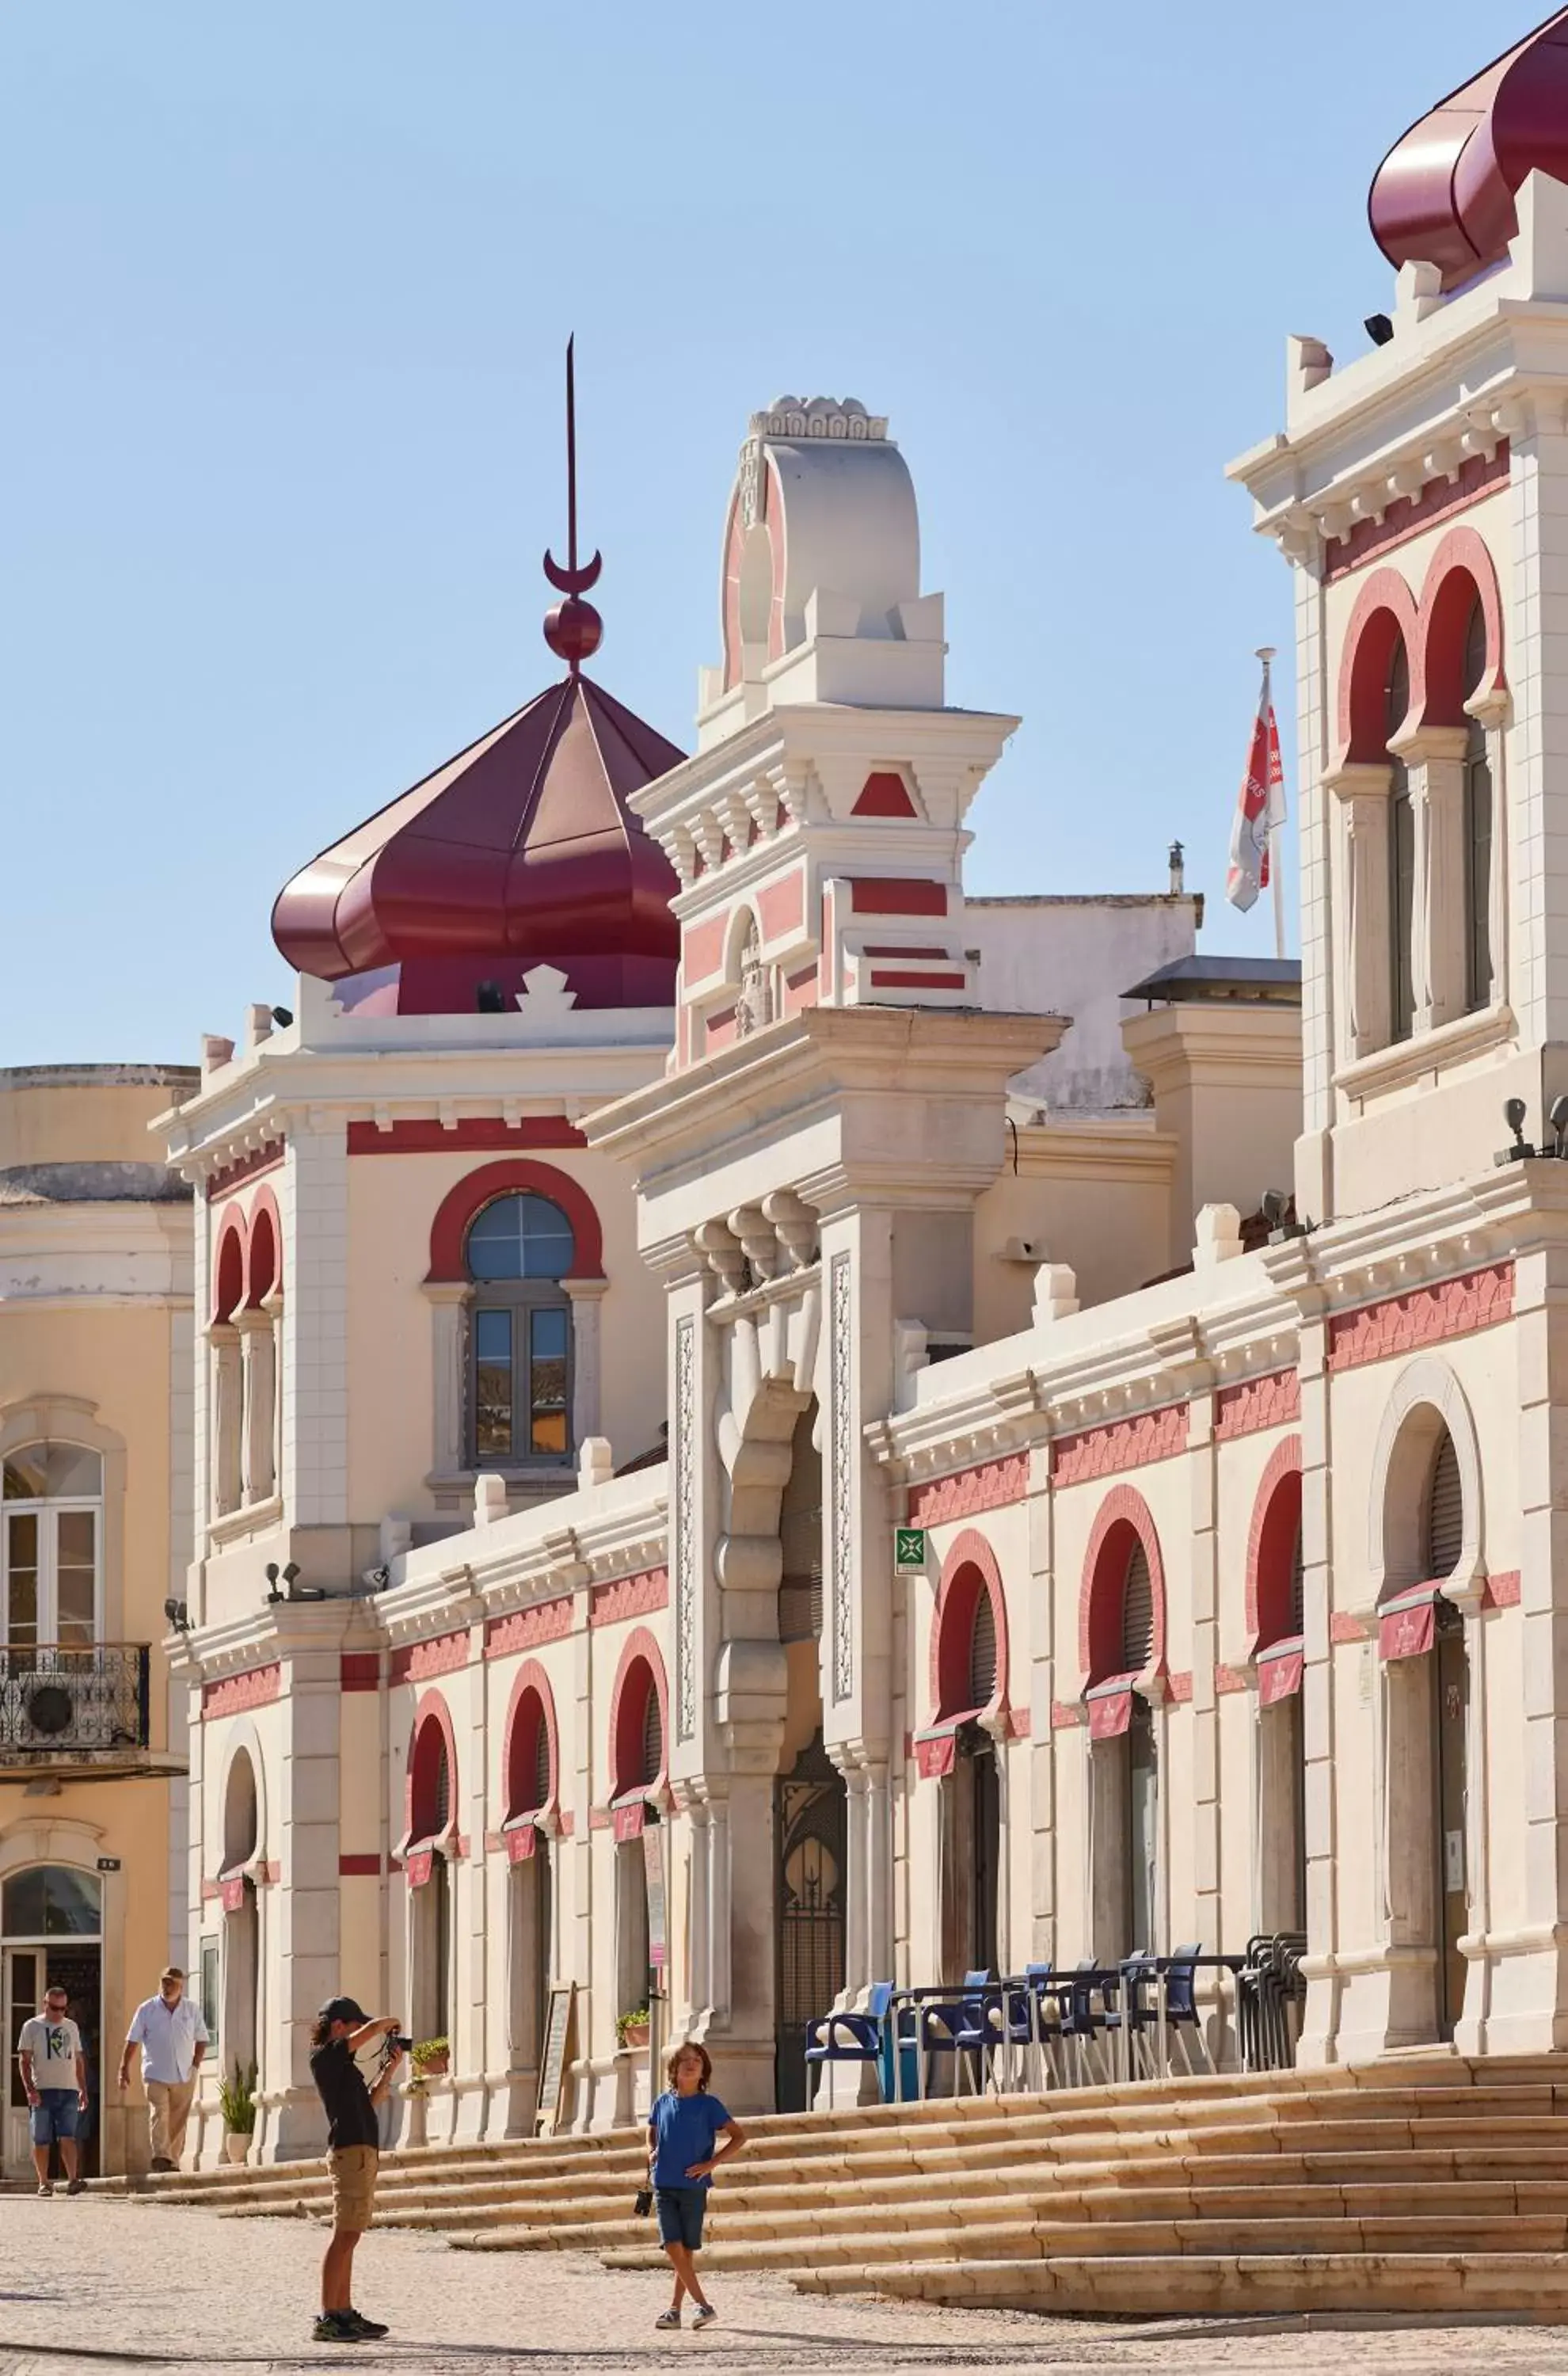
pixel 1442 1526
pixel 517 1251
pixel 1477 828
pixel 982 1653
pixel 1401 856
pixel 240 1813
pixel 652 1739
pixel 530 1770
pixel 430 1810
pixel 1137 1611
pixel 52 1547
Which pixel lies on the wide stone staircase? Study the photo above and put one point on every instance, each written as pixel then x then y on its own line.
pixel 1423 2183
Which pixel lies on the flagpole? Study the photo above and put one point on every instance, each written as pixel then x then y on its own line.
pixel 1276 854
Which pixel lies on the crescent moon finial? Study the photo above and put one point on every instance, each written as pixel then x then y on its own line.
pixel 574 628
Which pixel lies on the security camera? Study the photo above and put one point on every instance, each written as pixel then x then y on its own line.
pixel 377 1578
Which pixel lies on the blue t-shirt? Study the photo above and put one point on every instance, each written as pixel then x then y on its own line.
pixel 684 2130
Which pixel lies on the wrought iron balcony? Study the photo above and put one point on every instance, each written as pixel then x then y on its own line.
pixel 60 1704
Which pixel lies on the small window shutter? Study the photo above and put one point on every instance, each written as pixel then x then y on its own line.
pixel 982 1652
pixel 1445 1513
pixel 653 1737
pixel 542 1762
pixel 1137 1614
pixel 1298 1589
pixel 443 1809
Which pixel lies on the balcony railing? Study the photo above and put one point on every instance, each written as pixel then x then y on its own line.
pixel 56 1701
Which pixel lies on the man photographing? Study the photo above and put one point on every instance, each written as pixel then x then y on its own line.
pixel 353 2141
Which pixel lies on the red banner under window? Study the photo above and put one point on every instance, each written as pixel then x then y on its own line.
pixel 1408 1633
pixel 520 1843
pixel 1279 1679
pixel 936 1753
pixel 418 1866
pixel 1110 1715
pixel 629 1820
pixel 234 1892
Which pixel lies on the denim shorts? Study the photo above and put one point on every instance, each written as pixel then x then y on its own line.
pixel 55 2114
pixel 681 2211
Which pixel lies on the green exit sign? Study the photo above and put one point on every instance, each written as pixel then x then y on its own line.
pixel 908 1550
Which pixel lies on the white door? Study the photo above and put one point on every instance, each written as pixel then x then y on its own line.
pixel 21 1985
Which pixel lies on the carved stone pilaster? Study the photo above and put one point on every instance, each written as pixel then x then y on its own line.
pixel 1362 793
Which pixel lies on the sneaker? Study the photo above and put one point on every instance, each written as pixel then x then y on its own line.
pixel 76 2186
pixel 161 2161
pixel 706 2314
pixel 370 2328
pixel 667 2319
pixel 44 2190
pixel 335 2326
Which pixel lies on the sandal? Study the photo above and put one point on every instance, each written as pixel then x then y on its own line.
pixel 667 2319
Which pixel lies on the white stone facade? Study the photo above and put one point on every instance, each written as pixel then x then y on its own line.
pixel 1238 1612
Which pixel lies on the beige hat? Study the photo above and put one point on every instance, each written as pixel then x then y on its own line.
pixel 171 1972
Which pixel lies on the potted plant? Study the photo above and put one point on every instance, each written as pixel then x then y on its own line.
pixel 432 2058
pixel 236 2099
pixel 631 2029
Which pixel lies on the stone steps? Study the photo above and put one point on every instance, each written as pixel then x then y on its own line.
pixel 1407 2181
pixel 1514 2284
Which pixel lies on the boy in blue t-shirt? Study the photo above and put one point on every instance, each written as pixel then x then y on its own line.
pixel 683 2128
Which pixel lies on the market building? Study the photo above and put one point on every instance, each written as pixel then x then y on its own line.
pixel 670 1184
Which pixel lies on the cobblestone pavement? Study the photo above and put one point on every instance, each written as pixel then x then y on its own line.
pixel 98 2285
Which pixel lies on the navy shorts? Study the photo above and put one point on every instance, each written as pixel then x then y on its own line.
pixel 55 2114
pixel 680 2210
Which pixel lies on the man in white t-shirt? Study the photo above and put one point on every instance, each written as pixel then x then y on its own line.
pixel 173 2037
pixel 53 2069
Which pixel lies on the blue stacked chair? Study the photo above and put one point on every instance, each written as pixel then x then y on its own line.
pixel 942 2020
pixel 852 2037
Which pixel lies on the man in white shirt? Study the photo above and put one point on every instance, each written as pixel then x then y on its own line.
pixel 53 2068
pixel 172 2038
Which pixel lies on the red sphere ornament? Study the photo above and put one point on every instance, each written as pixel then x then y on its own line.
pixel 574 630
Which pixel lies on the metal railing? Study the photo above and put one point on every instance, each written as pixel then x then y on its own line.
pixel 57 1701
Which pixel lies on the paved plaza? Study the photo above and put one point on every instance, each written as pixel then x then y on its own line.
pixel 101 2284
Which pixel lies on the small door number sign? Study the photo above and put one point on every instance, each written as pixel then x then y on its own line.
pixel 908 1550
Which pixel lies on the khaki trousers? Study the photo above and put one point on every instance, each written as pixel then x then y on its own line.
pixel 169 2108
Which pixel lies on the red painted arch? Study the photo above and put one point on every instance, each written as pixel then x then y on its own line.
pixel 641 1670
pixel 1123 1516
pixel 1461 572
pixel 532 1701
pixel 969 1569
pixel 518 1176
pixel 264 1253
pixel 1385 609
pixel 1271 1545
pixel 229 1263
pixel 432 1724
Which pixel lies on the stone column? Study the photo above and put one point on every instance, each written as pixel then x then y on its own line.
pixel 1435 758
pixel 258 1482
pixel 1366 1004
pixel 315 1185
pixel 1041 1689
pixel 1492 711
pixel 1529 1989
pixel 1209 1912
pixel 228 1411
pixel 586 1296
pixel 1319 2026
pixel 447 1298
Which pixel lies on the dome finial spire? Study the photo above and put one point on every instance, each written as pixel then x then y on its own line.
pixel 574 629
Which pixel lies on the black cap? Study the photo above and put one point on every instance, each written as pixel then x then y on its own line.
pixel 343 2009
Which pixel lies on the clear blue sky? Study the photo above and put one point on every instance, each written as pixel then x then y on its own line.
pixel 285 290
